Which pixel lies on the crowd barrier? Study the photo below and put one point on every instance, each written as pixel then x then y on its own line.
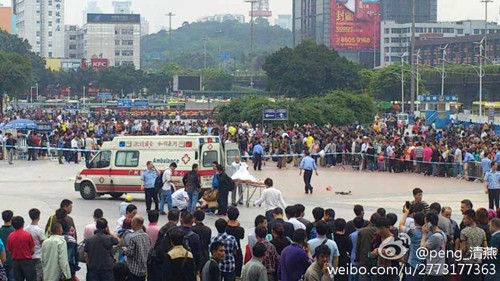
pixel 361 161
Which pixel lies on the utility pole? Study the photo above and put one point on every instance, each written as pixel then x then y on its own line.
pixel 252 2
pixel 481 75
pixel 486 26
pixel 170 15
pixel 205 39
pixel 412 65
pixel 374 15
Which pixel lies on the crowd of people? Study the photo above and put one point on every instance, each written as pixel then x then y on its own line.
pixel 386 145
pixel 281 245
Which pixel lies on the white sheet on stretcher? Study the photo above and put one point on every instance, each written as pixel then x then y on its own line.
pixel 243 174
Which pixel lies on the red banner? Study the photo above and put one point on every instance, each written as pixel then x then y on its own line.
pixel 355 25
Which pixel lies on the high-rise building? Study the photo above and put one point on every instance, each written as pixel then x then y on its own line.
pixel 91 8
pixel 73 42
pixel 311 21
pixel 144 26
pixel 41 22
pixel 400 11
pixel 284 21
pixel 6 19
pixel 115 37
pixel 122 6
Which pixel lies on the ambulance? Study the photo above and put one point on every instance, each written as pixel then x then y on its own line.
pixel 117 167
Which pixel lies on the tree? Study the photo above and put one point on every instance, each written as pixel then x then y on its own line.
pixel 15 74
pixel 386 83
pixel 336 107
pixel 309 69
pixel 215 79
pixel 228 39
pixel 13 44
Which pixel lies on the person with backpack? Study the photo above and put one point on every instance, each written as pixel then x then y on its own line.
pixel 228 265
pixel 322 239
pixel 211 270
pixel 192 241
pixel 192 183
pixel 165 187
pixel 179 262
pixel 156 256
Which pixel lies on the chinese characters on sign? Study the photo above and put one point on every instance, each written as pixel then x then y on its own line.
pixel 58 13
pixel 355 24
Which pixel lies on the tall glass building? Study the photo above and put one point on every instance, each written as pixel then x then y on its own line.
pixel 400 11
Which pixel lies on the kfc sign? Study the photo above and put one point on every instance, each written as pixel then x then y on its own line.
pixel 98 64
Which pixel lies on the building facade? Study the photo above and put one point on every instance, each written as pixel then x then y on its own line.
pixel 122 6
pixel 115 37
pixel 460 50
pixel 73 42
pixel 395 38
pixel 400 11
pixel 284 21
pixel 41 22
pixel 6 19
pixel 223 18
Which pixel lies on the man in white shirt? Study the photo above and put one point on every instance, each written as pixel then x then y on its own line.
pixel 272 198
pixel 74 150
pixel 180 199
pixel 38 236
pixel 290 212
pixel 89 145
pixel 168 188
pixel 237 165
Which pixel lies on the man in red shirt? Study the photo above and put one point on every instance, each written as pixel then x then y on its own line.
pixel 21 247
pixel 427 159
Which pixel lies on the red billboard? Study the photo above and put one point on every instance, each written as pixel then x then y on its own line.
pixel 98 64
pixel 94 63
pixel 355 25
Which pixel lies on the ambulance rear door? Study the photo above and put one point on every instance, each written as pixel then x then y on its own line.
pixel 231 150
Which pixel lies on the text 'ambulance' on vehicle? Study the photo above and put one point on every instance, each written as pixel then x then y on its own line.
pixel 117 167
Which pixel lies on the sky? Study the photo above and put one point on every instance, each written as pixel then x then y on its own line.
pixel 190 10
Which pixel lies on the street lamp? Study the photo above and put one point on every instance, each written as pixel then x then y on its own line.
pixel 31 92
pixel 481 74
pixel 403 82
pixel 486 25
pixel 417 55
pixel 374 15
pixel 443 73
pixel 252 2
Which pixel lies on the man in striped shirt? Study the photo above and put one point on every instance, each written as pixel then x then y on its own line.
pixel 137 251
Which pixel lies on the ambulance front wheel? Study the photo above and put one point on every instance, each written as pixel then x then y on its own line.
pixel 87 191
pixel 116 195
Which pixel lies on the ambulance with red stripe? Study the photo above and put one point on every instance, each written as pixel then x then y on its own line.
pixel 117 167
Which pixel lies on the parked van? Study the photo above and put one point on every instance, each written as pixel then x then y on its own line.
pixel 117 167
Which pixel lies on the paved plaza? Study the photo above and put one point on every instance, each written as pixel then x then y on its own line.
pixel 43 184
